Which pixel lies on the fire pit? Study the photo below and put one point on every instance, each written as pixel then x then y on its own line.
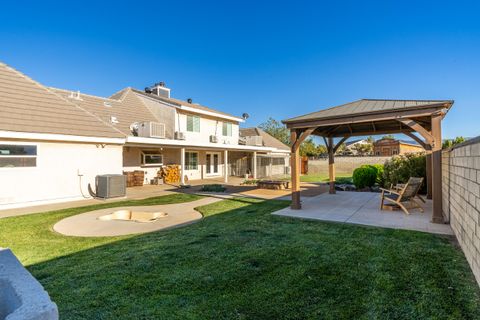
pixel 135 216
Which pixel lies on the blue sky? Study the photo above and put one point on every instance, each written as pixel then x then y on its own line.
pixel 269 59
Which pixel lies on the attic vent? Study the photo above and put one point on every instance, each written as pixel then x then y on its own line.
pixel 75 95
pixel 107 104
pixel 113 120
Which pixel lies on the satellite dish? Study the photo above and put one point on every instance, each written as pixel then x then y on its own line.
pixel 245 116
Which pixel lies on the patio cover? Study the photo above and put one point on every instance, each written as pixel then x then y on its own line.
pixel 372 117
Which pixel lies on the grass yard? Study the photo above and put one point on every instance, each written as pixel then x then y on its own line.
pixel 241 262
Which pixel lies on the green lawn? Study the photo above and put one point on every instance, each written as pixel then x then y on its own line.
pixel 241 262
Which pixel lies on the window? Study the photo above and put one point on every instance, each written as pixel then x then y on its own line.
pixel 12 156
pixel 227 129
pixel 193 123
pixel 152 159
pixel 394 151
pixel 191 161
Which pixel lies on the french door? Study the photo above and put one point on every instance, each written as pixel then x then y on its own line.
pixel 211 163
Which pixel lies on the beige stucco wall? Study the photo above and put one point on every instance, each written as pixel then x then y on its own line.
pixel 56 176
pixel 461 198
pixel 165 113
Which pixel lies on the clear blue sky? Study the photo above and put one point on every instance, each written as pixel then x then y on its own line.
pixel 277 59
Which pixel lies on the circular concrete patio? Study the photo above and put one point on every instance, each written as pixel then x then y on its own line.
pixel 87 224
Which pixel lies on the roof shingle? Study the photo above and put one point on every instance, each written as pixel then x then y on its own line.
pixel 28 106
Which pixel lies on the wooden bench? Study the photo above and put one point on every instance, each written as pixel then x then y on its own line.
pixel 273 184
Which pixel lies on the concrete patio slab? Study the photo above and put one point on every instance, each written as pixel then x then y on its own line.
pixel 87 224
pixel 364 208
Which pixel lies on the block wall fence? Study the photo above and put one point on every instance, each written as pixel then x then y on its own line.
pixel 343 165
pixel 461 197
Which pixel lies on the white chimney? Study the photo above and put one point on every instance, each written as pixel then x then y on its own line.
pixel 160 90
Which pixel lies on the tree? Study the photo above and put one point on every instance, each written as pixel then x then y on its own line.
pixel 448 143
pixel 363 149
pixel 308 148
pixel 321 149
pixel 388 136
pixel 276 129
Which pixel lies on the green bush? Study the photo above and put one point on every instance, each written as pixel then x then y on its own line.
pixel 364 176
pixel 379 179
pixel 400 168
pixel 213 188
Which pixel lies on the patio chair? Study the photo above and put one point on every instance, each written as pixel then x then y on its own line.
pixel 399 196
pixel 400 186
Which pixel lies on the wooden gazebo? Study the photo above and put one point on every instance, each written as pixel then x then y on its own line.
pixel 372 117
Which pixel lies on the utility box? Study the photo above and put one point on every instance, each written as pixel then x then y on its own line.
pixel 111 186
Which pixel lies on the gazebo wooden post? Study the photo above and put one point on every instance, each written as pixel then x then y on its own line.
pixel 429 174
pixel 331 165
pixel 437 216
pixel 295 164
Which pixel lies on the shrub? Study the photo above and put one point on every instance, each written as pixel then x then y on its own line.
pixel 364 176
pixel 213 188
pixel 400 168
pixel 379 179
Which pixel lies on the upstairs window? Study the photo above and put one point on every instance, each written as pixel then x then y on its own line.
pixel 227 129
pixel 193 123
pixel 12 156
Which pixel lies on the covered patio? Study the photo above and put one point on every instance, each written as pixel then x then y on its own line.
pixel 420 120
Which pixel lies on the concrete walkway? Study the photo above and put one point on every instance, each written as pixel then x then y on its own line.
pixel 87 225
pixel 363 208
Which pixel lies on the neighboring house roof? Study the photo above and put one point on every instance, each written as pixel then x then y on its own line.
pixel 268 140
pixel 27 106
pixel 180 103
pixel 350 143
pixel 410 142
pixel 127 108
pixel 365 106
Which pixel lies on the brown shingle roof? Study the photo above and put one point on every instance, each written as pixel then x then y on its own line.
pixel 178 102
pixel 268 140
pixel 127 108
pixel 27 106
pixel 367 106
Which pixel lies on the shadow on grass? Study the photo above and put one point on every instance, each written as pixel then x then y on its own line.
pixel 240 262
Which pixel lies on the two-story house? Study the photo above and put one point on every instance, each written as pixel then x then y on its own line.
pixel 53 142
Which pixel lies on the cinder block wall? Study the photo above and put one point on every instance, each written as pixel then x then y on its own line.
pixel 461 197
pixel 343 165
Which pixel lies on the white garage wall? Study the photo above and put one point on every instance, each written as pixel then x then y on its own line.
pixel 56 176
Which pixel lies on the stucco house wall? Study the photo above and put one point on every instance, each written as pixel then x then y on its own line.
pixel 62 173
pixel 167 114
pixel 208 126
pixel 132 161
